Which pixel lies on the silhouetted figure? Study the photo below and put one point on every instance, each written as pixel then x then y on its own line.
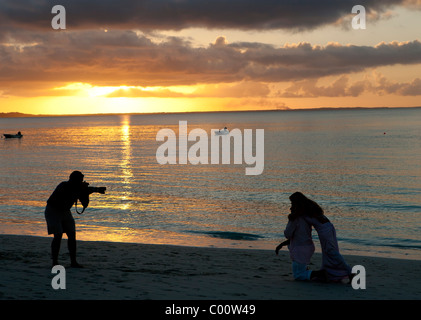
pixel 300 245
pixel 59 217
pixel 332 261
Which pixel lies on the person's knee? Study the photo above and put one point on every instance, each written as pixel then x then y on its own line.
pixel 71 235
pixel 58 236
pixel 300 271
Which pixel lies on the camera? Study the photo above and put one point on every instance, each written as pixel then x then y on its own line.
pixel 93 189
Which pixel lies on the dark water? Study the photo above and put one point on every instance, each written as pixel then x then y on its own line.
pixel 361 166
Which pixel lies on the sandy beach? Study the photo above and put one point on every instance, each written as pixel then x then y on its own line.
pixel 125 271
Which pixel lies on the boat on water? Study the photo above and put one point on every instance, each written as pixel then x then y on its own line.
pixel 10 136
pixel 222 132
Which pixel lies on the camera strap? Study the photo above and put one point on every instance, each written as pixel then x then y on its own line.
pixel 83 210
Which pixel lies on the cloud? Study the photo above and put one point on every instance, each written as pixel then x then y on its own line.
pixel 181 14
pixel 145 93
pixel 34 58
pixel 372 16
pixel 384 86
pixel 342 87
pixel 128 58
pixel 301 61
pixel 238 90
pixel 310 89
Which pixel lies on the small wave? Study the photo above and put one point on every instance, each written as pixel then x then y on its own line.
pixel 386 242
pixel 417 247
pixel 230 235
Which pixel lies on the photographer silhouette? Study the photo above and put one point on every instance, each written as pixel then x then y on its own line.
pixel 59 217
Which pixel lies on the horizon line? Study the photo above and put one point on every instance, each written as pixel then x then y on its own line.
pixel 29 115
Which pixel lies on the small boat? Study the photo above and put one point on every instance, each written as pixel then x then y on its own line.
pixel 9 136
pixel 222 132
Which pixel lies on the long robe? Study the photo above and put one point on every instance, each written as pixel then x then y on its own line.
pixel 332 260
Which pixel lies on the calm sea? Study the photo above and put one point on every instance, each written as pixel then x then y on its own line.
pixel 361 165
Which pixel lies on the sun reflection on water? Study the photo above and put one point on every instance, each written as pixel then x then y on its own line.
pixel 126 165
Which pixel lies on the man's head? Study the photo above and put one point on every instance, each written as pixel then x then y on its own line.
pixel 76 177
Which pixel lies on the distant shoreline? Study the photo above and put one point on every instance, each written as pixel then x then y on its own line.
pixel 28 115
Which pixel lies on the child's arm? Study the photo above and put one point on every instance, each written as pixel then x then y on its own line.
pixel 279 247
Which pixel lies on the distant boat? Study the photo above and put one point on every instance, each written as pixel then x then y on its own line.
pixel 222 132
pixel 9 136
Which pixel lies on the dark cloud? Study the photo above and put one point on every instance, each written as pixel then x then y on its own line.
pixel 126 58
pixel 180 14
pixel 305 61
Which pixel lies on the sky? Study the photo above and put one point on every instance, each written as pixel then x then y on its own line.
pixel 135 56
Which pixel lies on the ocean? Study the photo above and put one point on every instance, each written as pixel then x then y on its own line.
pixel 361 165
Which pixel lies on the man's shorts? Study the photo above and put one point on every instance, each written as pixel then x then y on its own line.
pixel 59 221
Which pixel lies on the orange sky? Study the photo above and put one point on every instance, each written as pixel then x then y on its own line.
pixel 189 57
